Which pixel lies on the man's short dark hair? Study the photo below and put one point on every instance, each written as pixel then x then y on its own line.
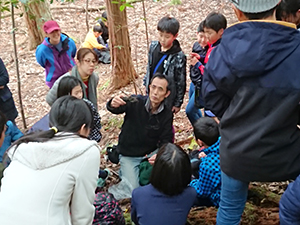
pixel 168 24
pixel 171 172
pixel 287 8
pixel 98 28
pixel 206 129
pixel 261 15
pixel 215 21
pixel 200 27
pixel 161 76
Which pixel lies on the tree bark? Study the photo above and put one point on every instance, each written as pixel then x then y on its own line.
pixel 36 13
pixel 123 71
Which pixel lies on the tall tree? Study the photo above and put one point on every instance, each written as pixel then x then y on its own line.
pixel 122 66
pixel 35 14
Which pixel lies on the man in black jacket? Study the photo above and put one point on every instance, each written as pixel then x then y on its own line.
pixel 147 125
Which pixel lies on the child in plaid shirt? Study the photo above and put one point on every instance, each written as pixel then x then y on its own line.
pixel 208 185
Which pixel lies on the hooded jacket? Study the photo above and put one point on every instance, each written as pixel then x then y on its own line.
pixel 252 82
pixel 51 182
pixel 174 67
pixel 56 63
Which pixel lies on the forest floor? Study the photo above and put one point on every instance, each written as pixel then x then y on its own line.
pixel 262 206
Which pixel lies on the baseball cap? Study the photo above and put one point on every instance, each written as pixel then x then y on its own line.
pixel 50 26
pixel 255 6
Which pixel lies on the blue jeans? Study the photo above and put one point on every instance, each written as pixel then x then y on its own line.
pixel 130 169
pixel 233 199
pixel 193 113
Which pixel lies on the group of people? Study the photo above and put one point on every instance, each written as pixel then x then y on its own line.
pixel 245 78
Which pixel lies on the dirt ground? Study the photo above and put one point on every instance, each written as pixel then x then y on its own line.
pixel 72 22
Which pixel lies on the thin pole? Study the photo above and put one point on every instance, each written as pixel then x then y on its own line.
pixel 17 65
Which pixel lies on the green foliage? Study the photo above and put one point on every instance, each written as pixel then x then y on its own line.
pixel 127 218
pixel 175 2
pixel 123 3
pixel 4 6
pixel 114 122
pixel 104 86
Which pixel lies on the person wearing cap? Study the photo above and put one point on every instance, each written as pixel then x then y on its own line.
pixel 56 53
pixel 252 83
pixel 289 11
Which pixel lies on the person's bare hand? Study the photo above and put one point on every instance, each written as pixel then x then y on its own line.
pixel 193 61
pixel 117 101
pixel 175 109
pixel 151 160
pixel 201 155
pixel 1 87
pixel 195 55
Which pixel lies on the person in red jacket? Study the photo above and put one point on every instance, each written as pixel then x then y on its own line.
pixel 214 26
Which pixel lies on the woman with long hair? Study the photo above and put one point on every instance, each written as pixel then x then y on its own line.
pixel 52 175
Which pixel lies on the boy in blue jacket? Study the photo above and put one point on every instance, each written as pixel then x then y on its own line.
pixel 208 185
pixel 56 53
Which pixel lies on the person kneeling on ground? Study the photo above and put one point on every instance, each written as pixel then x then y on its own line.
pixel 147 125
pixel 208 185
pixel 167 199
pixel 92 43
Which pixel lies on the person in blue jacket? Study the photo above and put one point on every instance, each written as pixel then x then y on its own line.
pixel 289 205
pixel 7 104
pixel 56 53
pixel 167 199
pixel 9 133
pixel 252 83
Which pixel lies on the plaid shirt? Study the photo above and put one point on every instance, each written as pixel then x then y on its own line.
pixel 95 133
pixel 209 182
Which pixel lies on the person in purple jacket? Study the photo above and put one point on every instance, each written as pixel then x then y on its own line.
pixel 167 199
pixel 56 53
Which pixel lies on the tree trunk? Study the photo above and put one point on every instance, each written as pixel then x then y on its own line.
pixel 36 13
pixel 122 66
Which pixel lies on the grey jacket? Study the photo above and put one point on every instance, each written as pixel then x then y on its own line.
pixel 175 70
pixel 93 82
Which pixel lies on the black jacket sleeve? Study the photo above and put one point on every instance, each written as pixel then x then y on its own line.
pixel 167 134
pixel 118 110
pixel 180 79
pixel 4 79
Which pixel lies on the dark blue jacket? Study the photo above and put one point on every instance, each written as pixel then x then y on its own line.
pixel 252 82
pixel 289 205
pixel 7 104
pixel 150 206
